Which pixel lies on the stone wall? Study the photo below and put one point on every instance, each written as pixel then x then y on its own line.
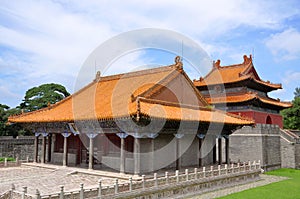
pixel 261 142
pixel 21 147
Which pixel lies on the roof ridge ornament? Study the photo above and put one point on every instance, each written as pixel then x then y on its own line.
pixel 178 63
pixel 217 64
pixel 247 60
pixel 98 76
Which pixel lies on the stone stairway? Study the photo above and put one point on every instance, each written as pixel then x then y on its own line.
pixel 290 148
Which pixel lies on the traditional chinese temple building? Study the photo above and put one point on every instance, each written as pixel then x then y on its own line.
pixel 238 89
pixel 137 122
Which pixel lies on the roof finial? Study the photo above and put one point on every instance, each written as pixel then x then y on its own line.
pixel 218 63
pixel 178 63
pixel 98 76
pixel 247 60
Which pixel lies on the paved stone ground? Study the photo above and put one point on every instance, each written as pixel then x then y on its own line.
pixel 265 179
pixel 48 180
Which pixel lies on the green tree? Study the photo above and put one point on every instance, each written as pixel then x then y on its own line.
pixel 39 97
pixel 291 116
pixel 9 130
pixel 3 118
pixel 297 92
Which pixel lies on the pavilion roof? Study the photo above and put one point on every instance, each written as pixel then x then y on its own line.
pixel 147 92
pixel 233 74
pixel 244 97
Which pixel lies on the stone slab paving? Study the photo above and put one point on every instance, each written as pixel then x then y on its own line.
pixel 265 179
pixel 49 178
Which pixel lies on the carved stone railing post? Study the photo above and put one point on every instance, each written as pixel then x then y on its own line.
pixel 61 195
pixel 81 191
pixel 24 192
pixel 37 194
pixel 238 166
pixel 226 169
pixel 219 170
pixel 5 162
pixel 244 166
pixel 196 173
pixel 143 181
pixel 130 184
pixel 204 172
pixel 116 186
pixel 167 177
pixel 99 188
pixel 155 180
pixel 186 174
pixel 177 176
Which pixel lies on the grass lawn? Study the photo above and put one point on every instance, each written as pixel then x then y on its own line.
pixel 284 189
pixel 8 159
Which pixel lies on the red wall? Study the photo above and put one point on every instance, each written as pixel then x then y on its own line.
pixel 261 117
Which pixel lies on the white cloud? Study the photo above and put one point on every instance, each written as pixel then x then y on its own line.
pixel 290 80
pixel 56 36
pixel 285 45
pixel 291 77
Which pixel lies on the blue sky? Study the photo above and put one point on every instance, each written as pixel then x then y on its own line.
pixel 48 41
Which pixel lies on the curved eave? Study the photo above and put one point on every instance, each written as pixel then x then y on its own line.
pixel 266 85
pixel 192 114
pixel 54 120
pixel 269 101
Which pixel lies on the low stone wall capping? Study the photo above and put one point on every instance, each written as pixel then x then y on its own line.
pixel 175 184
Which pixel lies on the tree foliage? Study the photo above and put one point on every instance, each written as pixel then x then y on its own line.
pixel 9 130
pixel 291 116
pixel 35 98
pixel 297 92
pixel 39 97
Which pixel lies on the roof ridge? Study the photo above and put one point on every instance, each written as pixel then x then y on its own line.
pixel 233 65
pixel 137 73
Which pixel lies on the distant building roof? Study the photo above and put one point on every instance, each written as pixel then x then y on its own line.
pixel 233 74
